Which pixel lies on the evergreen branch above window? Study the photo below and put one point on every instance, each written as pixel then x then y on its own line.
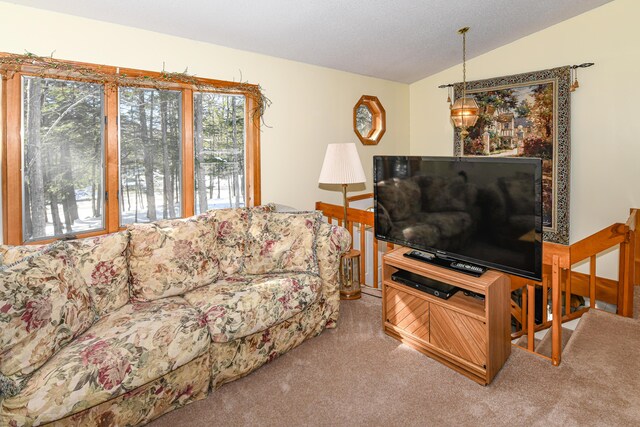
pixel 45 66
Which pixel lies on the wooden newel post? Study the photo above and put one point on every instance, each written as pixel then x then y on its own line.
pixel 556 341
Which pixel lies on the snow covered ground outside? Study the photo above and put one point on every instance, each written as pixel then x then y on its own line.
pixel 87 222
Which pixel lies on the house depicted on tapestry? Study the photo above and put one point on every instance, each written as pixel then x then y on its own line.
pixel 522 127
pixel 510 132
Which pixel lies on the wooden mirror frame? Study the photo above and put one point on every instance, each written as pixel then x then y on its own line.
pixel 379 120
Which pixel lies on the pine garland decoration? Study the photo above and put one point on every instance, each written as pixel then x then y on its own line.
pixel 45 66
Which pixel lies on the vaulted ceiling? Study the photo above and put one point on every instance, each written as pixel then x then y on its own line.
pixel 399 40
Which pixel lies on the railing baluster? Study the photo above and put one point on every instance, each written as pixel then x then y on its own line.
pixel 375 262
pixel 545 300
pixel 523 320
pixel 363 253
pixel 350 226
pixel 592 281
pixel 531 322
pixel 567 295
pixel 625 290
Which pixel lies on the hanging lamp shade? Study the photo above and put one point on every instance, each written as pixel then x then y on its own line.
pixel 464 112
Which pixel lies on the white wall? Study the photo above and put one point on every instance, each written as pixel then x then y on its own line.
pixel 312 106
pixel 605 131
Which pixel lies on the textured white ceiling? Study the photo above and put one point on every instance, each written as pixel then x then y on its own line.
pixel 399 40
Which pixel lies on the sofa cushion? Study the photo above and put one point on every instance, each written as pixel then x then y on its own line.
pixel 232 226
pixel 238 306
pixel 101 261
pixel 44 304
pixel 282 243
pixel 123 350
pixel 171 257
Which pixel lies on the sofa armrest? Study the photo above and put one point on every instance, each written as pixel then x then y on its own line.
pixel 332 242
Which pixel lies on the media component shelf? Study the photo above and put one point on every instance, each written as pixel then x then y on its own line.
pixel 469 333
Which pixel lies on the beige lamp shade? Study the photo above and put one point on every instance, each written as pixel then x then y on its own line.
pixel 342 165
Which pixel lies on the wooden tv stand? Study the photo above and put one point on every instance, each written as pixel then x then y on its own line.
pixel 468 334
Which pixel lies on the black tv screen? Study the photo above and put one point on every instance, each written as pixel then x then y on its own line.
pixel 483 210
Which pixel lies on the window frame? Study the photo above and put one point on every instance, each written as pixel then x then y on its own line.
pixel 246 160
pixel 91 232
pixel 11 123
pixel 182 207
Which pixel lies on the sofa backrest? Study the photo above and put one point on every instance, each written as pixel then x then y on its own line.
pixel 171 257
pixel 101 261
pixel 156 260
pixel 232 226
pixel 282 242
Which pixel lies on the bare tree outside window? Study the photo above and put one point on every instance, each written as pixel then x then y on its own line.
pixel 219 150
pixel 150 154
pixel 63 162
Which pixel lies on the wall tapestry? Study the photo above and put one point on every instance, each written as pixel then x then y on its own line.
pixel 527 115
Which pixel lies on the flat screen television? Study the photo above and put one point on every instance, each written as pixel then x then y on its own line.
pixel 473 212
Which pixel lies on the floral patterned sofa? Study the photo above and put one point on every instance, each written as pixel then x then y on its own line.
pixel 119 329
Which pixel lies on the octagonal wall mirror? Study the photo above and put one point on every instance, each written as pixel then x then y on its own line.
pixel 369 120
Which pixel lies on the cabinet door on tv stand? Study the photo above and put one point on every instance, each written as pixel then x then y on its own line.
pixel 458 334
pixel 407 312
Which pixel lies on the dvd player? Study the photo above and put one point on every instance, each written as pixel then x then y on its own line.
pixel 424 284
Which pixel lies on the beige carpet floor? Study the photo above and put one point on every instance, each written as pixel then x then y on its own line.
pixel 357 376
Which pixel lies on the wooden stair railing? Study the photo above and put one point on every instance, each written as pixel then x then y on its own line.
pixel 557 274
pixel 363 196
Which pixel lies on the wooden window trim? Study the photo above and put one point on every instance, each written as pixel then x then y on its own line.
pixel 252 146
pixel 188 181
pixel 12 161
pixel 112 158
pixel 11 123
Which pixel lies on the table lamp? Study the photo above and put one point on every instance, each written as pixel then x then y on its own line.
pixel 342 166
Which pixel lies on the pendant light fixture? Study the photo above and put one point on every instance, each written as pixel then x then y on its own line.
pixel 464 111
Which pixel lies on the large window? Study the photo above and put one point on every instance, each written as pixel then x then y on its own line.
pixel 63 176
pixel 150 154
pixel 219 151
pixel 90 153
